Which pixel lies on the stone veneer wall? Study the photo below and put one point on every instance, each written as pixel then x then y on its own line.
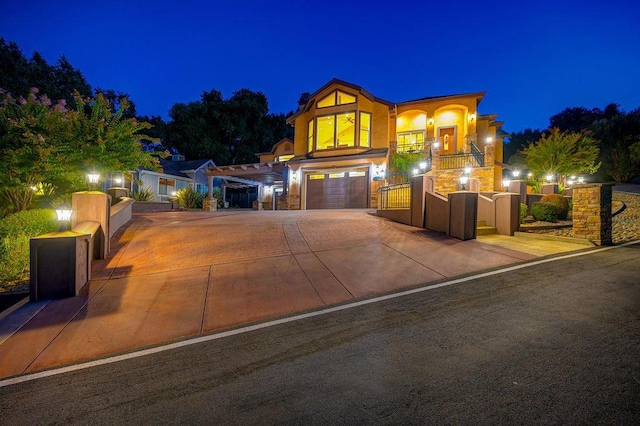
pixel 592 218
pixel 447 180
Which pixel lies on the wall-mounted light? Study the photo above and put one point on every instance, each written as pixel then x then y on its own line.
pixel 430 121
pixel 436 145
pixel 472 117
pixel 489 139
pixel 63 214
pixel 294 174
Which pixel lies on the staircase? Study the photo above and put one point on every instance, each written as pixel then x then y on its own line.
pixel 483 229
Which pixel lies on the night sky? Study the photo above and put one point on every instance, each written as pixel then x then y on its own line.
pixel 533 58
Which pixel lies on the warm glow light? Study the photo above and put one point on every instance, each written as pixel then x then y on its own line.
pixel 529 175
pixel 423 165
pixel 430 121
pixel 174 193
pixel 580 179
pixel 549 178
pixel 506 184
pixel 516 174
pixel 93 177
pixel 464 179
pixel 570 182
pixel 294 174
pixel 467 170
pixel 489 139
pixel 436 145
pixel 118 181
pixel 63 213
pixel 472 116
pixel 415 172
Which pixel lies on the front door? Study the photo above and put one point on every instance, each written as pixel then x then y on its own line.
pixel 447 138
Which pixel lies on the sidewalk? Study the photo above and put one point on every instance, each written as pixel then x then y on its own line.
pixel 179 274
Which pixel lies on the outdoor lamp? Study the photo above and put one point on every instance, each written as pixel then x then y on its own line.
pixel 549 178
pixel 489 139
pixel 570 182
pixel 118 181
pixel 467 170
pixel 580 179
pixel 436 145
pixel 63 213
pixel 415 171
pixel 516 174
pixel 93 179
pixel 423 165
pixel 294 174
pixel 463 181
pixel 506 183
pixel 529 175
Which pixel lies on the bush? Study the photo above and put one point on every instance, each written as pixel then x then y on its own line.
pixel 142 194
pixel 523 212
pixel 545 212
pixel 15 232
pixel 560 202
pixel 188 198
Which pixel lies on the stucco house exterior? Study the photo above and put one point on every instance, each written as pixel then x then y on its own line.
pixel 345 139
pixel 176 175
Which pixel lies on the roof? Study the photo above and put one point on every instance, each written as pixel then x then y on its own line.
pixel 374 152
pixel 274 147
pixel 180 168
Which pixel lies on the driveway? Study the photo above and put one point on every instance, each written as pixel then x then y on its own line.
pixel 172 275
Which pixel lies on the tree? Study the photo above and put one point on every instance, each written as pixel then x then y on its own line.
pixel 116 99
pixel 517 142
pixel 42 142
pixel 617 134
pixel 562 153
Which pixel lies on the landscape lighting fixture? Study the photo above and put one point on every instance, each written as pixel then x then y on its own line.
pixel 516 174
pixel 467 170
pixel 463 181
pixel 415 171
pixel 63 214
pixel 506 183
pixel 423 165
pixel 93 179
pixel 580 179
pixel 118 181
pixel 549 178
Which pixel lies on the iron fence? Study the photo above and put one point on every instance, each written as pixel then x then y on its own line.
pixel 460 161
pixel 396 196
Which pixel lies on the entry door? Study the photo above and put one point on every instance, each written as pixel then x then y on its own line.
pixel 447 137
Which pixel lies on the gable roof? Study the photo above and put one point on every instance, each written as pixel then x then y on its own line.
pixel 181 168
pixel 275 146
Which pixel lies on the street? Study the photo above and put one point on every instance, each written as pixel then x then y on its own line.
pixel 552 343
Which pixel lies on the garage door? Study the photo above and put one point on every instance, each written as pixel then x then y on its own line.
pixel 343 190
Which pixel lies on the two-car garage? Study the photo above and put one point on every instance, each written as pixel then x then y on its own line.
pixel 337 189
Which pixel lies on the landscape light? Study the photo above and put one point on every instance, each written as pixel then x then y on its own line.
pixel 63 214
pixel 467 170
pixel 549 178
pixel 516 174
pixel 423 165
pixel 463 181
pixel 415 171
pixel 580 179
pixel 506 183
pixel 93 179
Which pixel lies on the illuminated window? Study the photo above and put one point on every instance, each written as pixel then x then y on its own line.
pixel 365 129
pixel 346 135
pixel 284 158
pixel 411 141
pixel 310 136
pixel 326 132
pixel 166 186
pixel 336 98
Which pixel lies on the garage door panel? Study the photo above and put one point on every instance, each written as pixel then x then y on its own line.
pixel 332 191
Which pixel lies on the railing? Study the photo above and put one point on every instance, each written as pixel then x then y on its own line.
pixel 395 147
pixel 477 154
pixel 395 197
pixel 460 161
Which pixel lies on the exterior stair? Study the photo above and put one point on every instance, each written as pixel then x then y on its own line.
pixel 483 229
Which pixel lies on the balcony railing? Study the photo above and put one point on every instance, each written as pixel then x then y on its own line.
pixel 416 147
pixel 394 197
pixel 460 161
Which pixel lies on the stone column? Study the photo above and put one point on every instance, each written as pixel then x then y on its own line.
pixel 210 204
pixel 489 157
pixel 592 218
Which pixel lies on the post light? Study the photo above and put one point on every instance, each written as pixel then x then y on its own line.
pixel 506 183
pixel 63 213
pixel 570 182
pixel 529 175
pixel 415 171
pixel 463 181
pixel 423 165
pixel 580 179
pixel 516 174
pixel 467 170
pixel 93 179
pixel 118 181
pixel 549 178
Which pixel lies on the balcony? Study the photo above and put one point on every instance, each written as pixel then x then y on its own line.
pixel 412 148
pixel 475 158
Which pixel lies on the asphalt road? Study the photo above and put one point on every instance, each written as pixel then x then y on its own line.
pixel 556 343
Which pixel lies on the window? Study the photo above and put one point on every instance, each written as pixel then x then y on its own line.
pixel 336 98
pixel 202 188
pixel 411 141
pixel 365 129
pixel 338 131
pixel 166 186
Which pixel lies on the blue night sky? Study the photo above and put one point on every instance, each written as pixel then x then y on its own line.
pixel 533 58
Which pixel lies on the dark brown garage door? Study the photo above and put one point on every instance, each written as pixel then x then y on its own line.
pixel 343 190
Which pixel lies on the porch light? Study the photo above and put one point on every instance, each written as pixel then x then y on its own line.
pixel 489 139
pixel 463 181
pixel 423 165
pixel 63 214
pixel 516 174
pixel 505 184
pixel 294 174
pixel 472 117
pixel 430 121
pixel 436 145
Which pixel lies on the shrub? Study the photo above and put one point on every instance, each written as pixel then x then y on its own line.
pixel 560 202
pixel 142 194
pixel 15 232
pixel 218 195
pixel 188 198
pixel 545 212
pixel 523 212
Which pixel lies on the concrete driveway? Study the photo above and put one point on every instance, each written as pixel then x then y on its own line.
pixel 172 275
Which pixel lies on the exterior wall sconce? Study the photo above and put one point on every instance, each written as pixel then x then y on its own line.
pixel 436 145
pixel 472 117
pixel 63 214
pixel 489 139
pixel 430 121
pixel 463 181
pixel 505 184
pixel 378 173
pixel 516 174
pixel 294 174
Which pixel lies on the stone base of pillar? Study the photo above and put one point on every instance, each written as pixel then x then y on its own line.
pixel 210 204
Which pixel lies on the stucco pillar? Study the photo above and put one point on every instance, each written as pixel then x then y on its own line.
pixel 549 188
pixel 463 215
pixel 519 187
pixel 592 219
pixel 93 206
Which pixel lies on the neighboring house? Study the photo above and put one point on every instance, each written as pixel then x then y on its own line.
pixel 176 175
pixel 345 139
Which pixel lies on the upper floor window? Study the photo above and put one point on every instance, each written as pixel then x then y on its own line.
pixel 412 141
pixel 339 131
pixel 336 98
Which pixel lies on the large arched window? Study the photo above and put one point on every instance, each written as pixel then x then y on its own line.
pixel 339 131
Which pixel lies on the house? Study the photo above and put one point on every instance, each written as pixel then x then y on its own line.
pixel 345 140
pixel 176 175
